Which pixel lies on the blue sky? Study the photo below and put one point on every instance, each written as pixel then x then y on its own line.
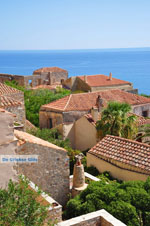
pixel 74 24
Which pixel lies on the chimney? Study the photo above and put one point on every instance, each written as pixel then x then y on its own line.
pixel 78 176
pixel 95 113
pixel 99 103
pixel 85 78
pixel 78 172
pixel 110 76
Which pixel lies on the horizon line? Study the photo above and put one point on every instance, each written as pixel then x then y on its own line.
pixel 75 49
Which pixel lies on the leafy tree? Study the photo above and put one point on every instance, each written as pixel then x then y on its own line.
pixel 34 99
pixel 145 95
pixel 116 121
pixel 144 134
pixel 15 85
pixel 19 205
pixel 127 201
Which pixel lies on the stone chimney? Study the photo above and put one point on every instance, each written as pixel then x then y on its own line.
pixel 95 113
pixel 99 103
pixel 78 176
pixel 85 78
pixel 110 76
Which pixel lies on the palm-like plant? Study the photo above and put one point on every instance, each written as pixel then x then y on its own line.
pixel 116 121
pixel 144 134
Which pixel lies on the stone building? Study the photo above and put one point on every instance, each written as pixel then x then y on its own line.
pixel 64 112
pixel 11 92
pixel 55 75
pixel 100 82
pixel 12 100
pixel 42 76
pixel 8 144
pixel 97 218
pixel 51 173
pixel 124 159
pixel 8 147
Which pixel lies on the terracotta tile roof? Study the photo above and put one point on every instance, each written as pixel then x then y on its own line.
pixel 4 89
pixel 6 102
pixel 140 119
pixel 90 119
pixel 48 69
pixel 143 121
pixel 85 101
pixel 133 153
pixel 102 80
pixel 50 87
pixel 26 137
pixel 4 111
pixel 29 125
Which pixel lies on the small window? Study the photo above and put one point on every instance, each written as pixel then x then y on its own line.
pixel 30 82
pixel 50 123
pixel 145 113
pixel 62 81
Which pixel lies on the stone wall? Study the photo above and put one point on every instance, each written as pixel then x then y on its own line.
pixel 58 77
pixel 58 117
pixel 124 87
pixel 35 80
pixel 79 84
pixel 28 81
pixel 72 116
pixel 6 127
pixel 45 116
pixel 51 173
pixel 10 77
pixel 98 218
pixel 8 145
pixel 54 209
pixel 138 109
pixel 75 83
pixel 19 111
pixel 68 83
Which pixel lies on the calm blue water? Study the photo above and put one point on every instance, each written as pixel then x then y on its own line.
pixel 128 64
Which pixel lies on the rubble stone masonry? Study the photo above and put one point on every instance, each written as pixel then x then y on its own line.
pixel 51 173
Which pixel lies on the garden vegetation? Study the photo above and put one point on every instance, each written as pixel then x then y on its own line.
pixel 127 201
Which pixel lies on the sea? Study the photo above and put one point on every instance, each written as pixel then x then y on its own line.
pixel 131 64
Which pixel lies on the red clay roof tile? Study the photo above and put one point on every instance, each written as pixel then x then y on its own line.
pixel 85 101
pixel 26 137
pixel 102 80
pixel 49 87
pixel 90 119
pixel 4 111
pixel 123 150
pixel 4 89
pixel 48 69
pixel 7 101
pixel 140 119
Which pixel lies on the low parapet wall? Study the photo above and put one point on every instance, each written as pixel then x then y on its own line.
pixel 54 210
pixel 98 218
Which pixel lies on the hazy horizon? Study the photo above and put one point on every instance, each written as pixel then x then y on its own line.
pixel 123 48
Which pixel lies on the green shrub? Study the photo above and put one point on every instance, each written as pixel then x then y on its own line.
pixel 34 99
pixel 19 205
pixel 127 201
